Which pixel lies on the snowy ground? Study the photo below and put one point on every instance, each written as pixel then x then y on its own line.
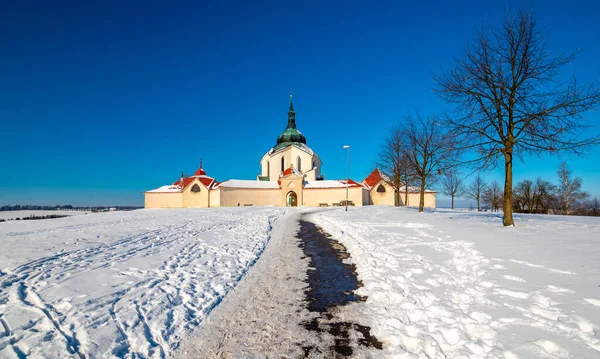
pixel 182 283
pixel 452 284
pixel 120 284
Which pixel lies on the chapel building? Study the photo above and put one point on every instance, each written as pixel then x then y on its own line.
pixel 290 176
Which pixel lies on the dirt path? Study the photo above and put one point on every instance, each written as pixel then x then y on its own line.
pixel 262 317
pixel 267 315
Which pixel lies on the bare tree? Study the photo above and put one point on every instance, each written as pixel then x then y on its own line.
pixel 476 189
pixel 508 102
pixel 569 189
pixel 395 163
pixel 594 207
pixel 524 196
pixel 545 199
pixel 453 185
pixel 429 146
pixel 493 196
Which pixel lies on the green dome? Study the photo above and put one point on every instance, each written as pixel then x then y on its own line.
pixel 291 133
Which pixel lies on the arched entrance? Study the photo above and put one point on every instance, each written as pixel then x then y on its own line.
pixel 291 199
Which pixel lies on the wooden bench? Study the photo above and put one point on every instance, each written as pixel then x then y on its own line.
pixel 323 205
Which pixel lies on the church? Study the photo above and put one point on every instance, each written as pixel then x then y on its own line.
pixel 290 176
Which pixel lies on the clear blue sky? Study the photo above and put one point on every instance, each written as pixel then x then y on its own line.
pixel 99 102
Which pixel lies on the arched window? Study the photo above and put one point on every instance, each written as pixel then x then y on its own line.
pixel 299 164
pixel 380 189
pixel 314 164
pixel 195 188
pixel 282 164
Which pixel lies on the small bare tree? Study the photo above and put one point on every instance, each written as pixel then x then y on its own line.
pixel 453 185
pixel 476 189
pixel 395 162
pixel 508 101
pixel 493 196
pixel 594 207
pixel 428 146
pixel 569 189
pixel 524 196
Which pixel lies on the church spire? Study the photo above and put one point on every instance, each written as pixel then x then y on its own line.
pixel 291 114
pixel 291 133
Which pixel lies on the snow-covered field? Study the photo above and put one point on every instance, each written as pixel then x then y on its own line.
pixel 442 284
pixel 455 284
pixel 120 284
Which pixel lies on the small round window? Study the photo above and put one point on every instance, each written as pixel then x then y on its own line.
pixel 196 188
pixel 380 189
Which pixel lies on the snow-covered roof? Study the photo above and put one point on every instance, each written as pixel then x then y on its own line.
pixel 330 184
pixel 291 170
pixel 414 189
pixel 249 184
pixel 165 189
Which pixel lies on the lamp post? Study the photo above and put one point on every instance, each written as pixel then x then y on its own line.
pixel 348 178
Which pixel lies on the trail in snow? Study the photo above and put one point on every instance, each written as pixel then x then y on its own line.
pixel 263 316
pixel 125 296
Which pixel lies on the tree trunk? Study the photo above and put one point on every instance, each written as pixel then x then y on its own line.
pixel 397 198
pixel 567 194
pixel 422 195
pixel 507 205
pixel 478 208
pixel 406 195
pixel 452 202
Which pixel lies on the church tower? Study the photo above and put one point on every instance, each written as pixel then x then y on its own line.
pixel 290 151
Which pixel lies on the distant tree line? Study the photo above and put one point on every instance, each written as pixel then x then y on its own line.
pixel 32 207
pixel 566 196
pixel 34 217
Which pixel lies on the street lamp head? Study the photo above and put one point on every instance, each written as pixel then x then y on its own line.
pixel 346 146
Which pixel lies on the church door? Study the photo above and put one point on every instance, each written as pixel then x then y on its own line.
pixel 292 199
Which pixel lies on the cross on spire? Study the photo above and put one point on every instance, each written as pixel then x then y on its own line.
pixel 200 162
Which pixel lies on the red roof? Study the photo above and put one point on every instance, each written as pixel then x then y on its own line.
pixel 206 181
pixel 289 171
pixel 373 178
pixel 200 172
pixel 351 182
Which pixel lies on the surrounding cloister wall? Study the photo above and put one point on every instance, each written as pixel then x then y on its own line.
pixel 316 196
pixel 215 198
pixel 163 200
pixel 414 197
pixel 249 196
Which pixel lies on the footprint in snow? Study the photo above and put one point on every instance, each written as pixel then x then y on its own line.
pixel 561 271
pixel 552 348
pixel 595 302
pixel 555 289
pixel 512 293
